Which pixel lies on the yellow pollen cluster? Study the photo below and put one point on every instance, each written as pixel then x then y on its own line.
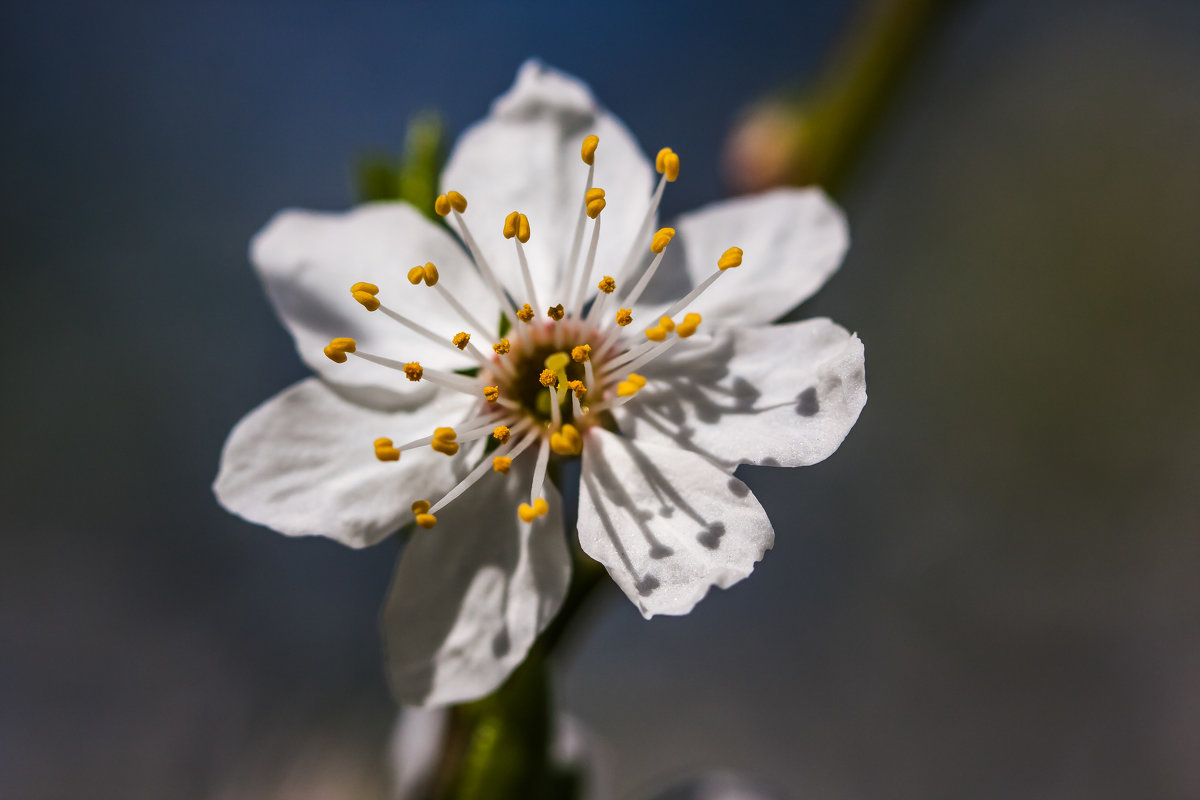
pixel 630 386
pixel 624 316
pixel 525 314
pixel 427 273
pixel 548 378
pixel 595 202
pixel 555 312
pixel 502 464
pixel 659 332
pixel 443 441
pixel 528 513
pixel 661 239
pixel 461 340
pixel 688 326
pixel 501 434
pixel 413 371
pixel 607 284
pixel 588 150
pixel 516 224
pixel 448 201
pixel 337 348
pixel 491 393
pixel 365 293
pixel 420 509
pixel 667 163
pixel 730 258
pixel 578 388
pixel 581 353
pixel 502 347
pixel 385 451
pixel 567 441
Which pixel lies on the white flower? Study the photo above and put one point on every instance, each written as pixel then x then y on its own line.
pixel 660 411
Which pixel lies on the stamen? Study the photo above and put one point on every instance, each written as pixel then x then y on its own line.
pixel 588 150
pixel 528 513
pixel 501 433
pixel 461 340
pixel 555 408
pixel 539 469
pixel 631 385
pixel 501 464
pixel 548 378
pixel 624 317
pixel 458 204
pixel 491 393
pixel 588 153
pixel 595 202
pixel 651 212
pixel 578 388
pixel 581 353
pixel 365 293
pixel 667 163
pixel 415 372
pixel 607 284
pixel 555 312
pixel 659 248
pixel 526 313
pixel 688 326
pixel 516 227
pixel 577 306
pixel 385 450
pixel 443 441
pixel 502 347
pixel 657 333
pixel 433 337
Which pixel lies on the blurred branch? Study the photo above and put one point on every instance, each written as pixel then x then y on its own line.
pixel 814 135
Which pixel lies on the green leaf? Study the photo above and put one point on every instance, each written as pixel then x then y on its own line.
pixel 505 324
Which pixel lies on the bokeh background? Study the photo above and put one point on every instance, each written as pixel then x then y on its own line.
pixel 990 591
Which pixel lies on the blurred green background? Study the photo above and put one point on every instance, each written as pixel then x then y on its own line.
pixel 989 591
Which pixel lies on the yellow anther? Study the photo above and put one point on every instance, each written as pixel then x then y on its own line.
pixel 431 274
pixel 730 258
pixel 557 361
pixel 501 434
pixel 667 163
pixel 442 205
pixel 528 513
pixel 491 393
pixel 624 317
pixel 607 284
pixel 413 371
pixel 630 386
pixel 502 347
pixel 461 340
pixel 384 450
pixel 588 151
pixel 548 378
pixel 666 323
pixel 595 202
pixel 443 441
pixel 555 312
pixel 578 388
pixel 523 229
pixel 502 464
pixel 337 348
pixel 661 239
pixel 567 441
pixel 525 314
pixel 420 510
pixel 581 353
pixel 457 201
pixel 416 275
pixel 656 334
pixel 688 326
pixel 511 224
pixel 369 301
pixel 363 286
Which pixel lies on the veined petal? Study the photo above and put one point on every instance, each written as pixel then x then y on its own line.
pixel 302 463
pixel 471 594
pixel 780 395
pixel 525 157
pixel 793 240
pixel 309 260
pixel 665 522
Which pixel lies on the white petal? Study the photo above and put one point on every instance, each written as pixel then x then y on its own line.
pixel 778 395
pixel 525 157
pixel 304 463
pixel 793 240
pixel 665 522
pixel 309 260
pixel 471 594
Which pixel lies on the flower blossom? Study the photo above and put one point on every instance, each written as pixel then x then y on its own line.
pixel 551 320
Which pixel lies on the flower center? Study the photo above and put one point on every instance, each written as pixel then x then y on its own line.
pixel 552 375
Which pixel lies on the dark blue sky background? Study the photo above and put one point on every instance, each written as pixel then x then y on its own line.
pixel 988 592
